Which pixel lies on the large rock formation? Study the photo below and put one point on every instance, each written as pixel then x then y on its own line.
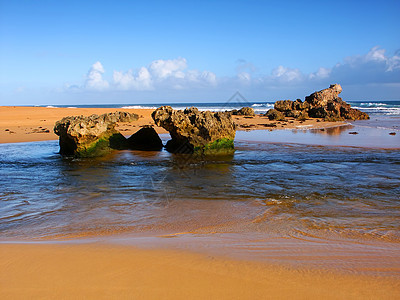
pixel 193 131
pixel 91 136
pixel 324 104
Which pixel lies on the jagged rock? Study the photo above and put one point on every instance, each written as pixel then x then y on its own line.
pixel 274 114
pixel 293 113
pixel 145 139
pixel 244 111
pixel 328 105
pixel 193 131
pixel 91 136
pixel 291 109
pixel 283 105
pixel 300 105
pixel 303 116
pixel 322 97
pixel 325 104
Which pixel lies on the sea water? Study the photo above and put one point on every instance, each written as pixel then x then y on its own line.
pixel 282 184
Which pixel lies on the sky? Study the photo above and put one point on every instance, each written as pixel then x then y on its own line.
pixel 98 52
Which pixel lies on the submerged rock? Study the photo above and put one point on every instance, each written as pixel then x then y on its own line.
pixel 193 131
pixel 324 104
pixel 145 139
pixel 91 136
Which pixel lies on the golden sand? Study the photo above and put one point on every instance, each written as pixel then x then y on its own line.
pixel 103 271
pixel 99 271
pixel 29 124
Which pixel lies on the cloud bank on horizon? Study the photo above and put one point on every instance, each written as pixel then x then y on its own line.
pixel 374 68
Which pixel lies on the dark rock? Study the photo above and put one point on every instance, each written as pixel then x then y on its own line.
pixel 392 133
pixel 300 105
pixel 268 125
pixel 244 111
pixel 91 136
pixel 293 113
pixel 353 132
pixel 194 131
pixel 274 114
pixel 145 139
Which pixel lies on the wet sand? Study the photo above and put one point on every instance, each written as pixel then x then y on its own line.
pixel 29 124
pixel 101 271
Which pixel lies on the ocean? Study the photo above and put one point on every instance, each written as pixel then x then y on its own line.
pixel 376 108
pixel 327 191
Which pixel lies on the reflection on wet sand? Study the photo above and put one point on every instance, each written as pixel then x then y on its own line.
pixel 337 130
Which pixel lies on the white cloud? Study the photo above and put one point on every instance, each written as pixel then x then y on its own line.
pixel 374 67
pixel 126 81
pixel 320 74
pixel 376 54
pixel 168 68
pixel 209 77
pixel 286 74
pixel 94 78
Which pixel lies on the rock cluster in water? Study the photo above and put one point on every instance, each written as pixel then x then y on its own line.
pixel 91 136
pixel 193 131
pixel 324 104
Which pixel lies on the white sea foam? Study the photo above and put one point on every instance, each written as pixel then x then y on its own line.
pixel 138 107
pixel 380 110
pixel 373 104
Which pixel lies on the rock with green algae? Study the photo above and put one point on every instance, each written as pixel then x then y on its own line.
pixel 194 131
pixel 93 135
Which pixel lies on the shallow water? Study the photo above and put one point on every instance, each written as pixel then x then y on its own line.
pixel 284 189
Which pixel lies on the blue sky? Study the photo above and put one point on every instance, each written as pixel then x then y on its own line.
pixel 83 52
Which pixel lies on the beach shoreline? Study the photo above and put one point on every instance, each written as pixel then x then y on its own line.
pixel 215 248
pixel 31 124
pixel 104 271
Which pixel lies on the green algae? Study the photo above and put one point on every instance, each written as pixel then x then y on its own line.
pixel 220 146
pixel 102 146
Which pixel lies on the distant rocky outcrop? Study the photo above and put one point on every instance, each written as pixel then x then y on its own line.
pixel 145 139
pixel 324 104
pixel 193 131
pixel 244 111
pixel 93 135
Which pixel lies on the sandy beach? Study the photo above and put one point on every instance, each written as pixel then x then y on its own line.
pixel 29 124
pixel 196 258
pixel 93 271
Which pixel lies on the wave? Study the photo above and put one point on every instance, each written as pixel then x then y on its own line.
pixel 138 107
pixel 380 110
pixel 374 104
